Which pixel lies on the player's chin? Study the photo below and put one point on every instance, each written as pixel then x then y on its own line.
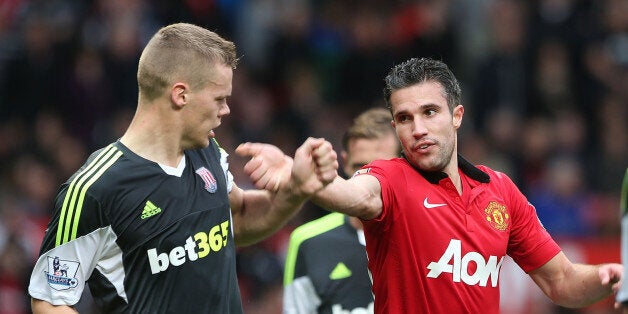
pixel 430 165
pixel 200 143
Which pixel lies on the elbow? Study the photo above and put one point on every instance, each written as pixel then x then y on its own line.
pixel 560 300
pixel 372 209
pixel 243 237
pixel 369 207
pixel 244 241
pixel 240 239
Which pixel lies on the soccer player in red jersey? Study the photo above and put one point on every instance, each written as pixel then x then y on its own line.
pixel 437 227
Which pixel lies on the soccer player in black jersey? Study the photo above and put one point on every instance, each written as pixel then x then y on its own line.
pixel 151 221
pixel 326 265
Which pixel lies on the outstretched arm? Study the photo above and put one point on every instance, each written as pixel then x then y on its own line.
pixel 577 285
pixel 359 197
pixel 259 213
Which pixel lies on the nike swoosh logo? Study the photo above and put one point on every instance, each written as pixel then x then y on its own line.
pixel 429 205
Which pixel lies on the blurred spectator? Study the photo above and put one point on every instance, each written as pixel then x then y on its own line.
pixel 502 82
pixel 28 84
pixel 553 78
pixel 610 154
pixel 561 199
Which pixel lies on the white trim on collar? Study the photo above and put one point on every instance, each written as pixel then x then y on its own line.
pixel 178 171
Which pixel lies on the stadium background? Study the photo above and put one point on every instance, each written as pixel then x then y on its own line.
pixel 545 85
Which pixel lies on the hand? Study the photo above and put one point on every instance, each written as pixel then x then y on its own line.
pixel 612 274
pixel 315 166
pixel 268 168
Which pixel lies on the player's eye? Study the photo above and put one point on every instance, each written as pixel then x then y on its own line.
pixel 402 118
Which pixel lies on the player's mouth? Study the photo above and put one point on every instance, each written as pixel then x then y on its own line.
pixel 423 147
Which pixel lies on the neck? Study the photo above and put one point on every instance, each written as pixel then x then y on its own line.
pixel 452 171
pixel 153 137
pixel 449 171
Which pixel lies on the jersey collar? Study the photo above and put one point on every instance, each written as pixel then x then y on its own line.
pixel 467 168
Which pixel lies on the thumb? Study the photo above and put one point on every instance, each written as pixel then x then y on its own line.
pixel 309 146
pixel 248 149
pixel 605 278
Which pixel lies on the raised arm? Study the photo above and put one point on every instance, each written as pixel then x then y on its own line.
pixel 577 285
pixel 259 213
pixel 359 196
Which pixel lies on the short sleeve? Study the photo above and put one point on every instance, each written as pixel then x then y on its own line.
pixel 65 263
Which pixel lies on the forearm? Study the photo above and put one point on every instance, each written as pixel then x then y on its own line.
pixel 352 199
pixel 591 289
pixel 262 213
pixel 43 307
pixel 580 287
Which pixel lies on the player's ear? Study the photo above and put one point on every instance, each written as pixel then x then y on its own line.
pixel 343 156
pixel 457 114
pixel 179 94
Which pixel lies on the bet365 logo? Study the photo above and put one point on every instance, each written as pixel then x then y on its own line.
pixel 451 262
pixel 194 248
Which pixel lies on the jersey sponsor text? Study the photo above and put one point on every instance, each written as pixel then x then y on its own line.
pixel 195 247
pixel 452 262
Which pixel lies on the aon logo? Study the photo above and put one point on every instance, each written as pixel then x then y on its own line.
pixel 451 262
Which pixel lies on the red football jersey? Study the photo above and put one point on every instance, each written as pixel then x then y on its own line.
pixel 435 251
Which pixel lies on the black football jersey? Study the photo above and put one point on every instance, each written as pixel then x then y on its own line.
pixel 144 240
pixel 327 269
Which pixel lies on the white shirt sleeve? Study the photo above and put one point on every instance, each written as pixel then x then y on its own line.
pixel 225 167
pixel 59 275
pixel 300 297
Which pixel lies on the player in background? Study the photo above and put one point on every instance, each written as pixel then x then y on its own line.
pixel 437 227
pixel 622 295
pixel 326 265
pixel 151 221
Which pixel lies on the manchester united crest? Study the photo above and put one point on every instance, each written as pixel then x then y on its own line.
pixel 497 215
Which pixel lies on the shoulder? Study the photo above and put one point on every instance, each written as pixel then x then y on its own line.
pixel 309 233
pixel 317 227
pixel 500 181
pixel 389 163
pixel 390 167
pixel 495 176
pixel 98 167
pixel 111 169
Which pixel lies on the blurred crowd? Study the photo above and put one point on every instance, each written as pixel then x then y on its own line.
pixel 545 87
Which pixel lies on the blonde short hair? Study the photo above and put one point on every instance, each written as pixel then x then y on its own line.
pixel 181 52
pixel 373 123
